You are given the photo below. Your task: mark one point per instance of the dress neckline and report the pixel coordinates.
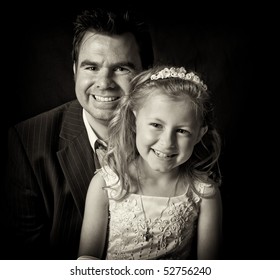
(164, 197)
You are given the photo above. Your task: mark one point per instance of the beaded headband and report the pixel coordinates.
(178, 73)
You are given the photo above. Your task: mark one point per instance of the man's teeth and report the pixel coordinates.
(105, 99)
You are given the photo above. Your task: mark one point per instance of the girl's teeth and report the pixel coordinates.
(159, 154)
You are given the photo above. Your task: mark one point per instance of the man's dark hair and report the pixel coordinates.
(114, 22)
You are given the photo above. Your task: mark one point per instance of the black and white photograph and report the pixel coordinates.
(139, 134)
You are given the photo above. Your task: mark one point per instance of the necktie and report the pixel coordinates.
(100, 150)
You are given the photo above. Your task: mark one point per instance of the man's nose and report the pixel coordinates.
(104, 79)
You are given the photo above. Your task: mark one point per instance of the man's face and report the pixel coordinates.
(103, 72)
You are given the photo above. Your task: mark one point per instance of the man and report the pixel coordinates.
(51, 157)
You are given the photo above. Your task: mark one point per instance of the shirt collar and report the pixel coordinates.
(91, 134)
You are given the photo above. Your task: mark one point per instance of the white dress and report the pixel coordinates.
(172, 222)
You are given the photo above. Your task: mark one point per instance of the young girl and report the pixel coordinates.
(157, 194)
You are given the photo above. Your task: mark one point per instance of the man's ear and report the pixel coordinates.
(74, 71)
(74, 68)
(202, 131)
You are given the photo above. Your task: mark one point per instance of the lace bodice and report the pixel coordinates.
(172, 224)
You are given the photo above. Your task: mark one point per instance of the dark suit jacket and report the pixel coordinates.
(50, 165)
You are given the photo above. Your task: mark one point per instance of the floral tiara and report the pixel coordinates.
(178, 73)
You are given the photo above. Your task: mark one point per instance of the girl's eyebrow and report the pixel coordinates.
(155, 120)
(184, 125)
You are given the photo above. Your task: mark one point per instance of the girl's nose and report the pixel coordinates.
(168, 139)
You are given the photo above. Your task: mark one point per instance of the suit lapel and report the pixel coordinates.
(76, 156)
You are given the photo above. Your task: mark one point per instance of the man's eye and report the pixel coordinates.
(121, 70)
(92, 68)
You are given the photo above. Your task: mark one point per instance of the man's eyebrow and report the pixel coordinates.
(126, 64)
(119, 64)
(87, 62)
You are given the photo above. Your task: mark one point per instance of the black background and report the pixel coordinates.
(233, 48)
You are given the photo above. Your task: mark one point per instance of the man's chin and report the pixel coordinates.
(104, 119)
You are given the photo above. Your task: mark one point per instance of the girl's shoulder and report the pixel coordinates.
(112, 182)
(204, 189)
(109, 176)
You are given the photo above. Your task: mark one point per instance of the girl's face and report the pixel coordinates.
(167, 131)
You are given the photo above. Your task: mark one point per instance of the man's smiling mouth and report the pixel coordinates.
(105, 99)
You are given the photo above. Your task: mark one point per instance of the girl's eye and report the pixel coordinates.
(156, 125)
(183, 131)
